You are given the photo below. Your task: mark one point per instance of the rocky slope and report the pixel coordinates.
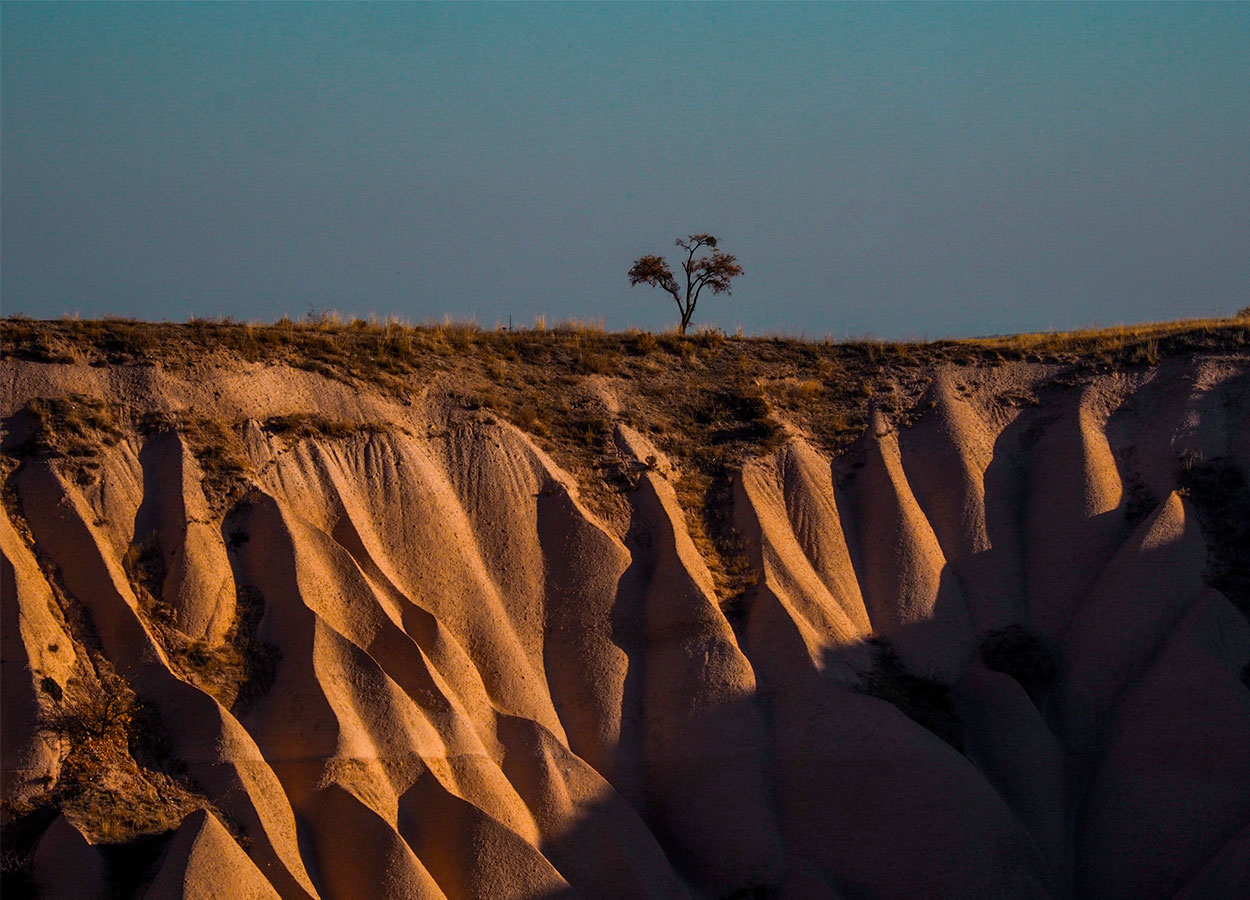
(269, 633)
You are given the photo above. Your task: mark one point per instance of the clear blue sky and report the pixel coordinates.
(895, 169)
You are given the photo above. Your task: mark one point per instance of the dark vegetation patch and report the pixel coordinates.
(257, 659)
(145, 564)
(119, 779)
(1017, 652)
(238, 669)
(1219, 493)
(75, 427)
(307, 425)
(217, 448)
(925, 701)
(1139, 500)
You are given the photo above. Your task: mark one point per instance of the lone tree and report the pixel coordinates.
(714, 270)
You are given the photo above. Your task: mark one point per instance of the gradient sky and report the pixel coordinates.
(894, 169)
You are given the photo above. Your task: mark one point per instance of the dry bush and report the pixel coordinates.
(496, 369)
(119, 778)
(644, 343)
(800, 393)
(595, 362)
(223, 462)
(75, 427)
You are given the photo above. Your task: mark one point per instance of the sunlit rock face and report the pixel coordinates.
(993, 650)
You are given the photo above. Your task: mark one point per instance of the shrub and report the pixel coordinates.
(925, 701)
(94, 717)
(644, 343)
(1024, 656)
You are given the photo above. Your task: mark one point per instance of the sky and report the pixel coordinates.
(895, 170)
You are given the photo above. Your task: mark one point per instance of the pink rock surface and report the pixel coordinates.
(474, 686)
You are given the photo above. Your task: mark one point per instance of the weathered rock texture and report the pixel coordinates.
(409, 661)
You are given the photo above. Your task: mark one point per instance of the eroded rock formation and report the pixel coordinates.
(998, 650)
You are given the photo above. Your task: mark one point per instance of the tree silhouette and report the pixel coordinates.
(714, 270)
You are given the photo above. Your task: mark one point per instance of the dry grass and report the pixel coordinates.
(217, 448)
(1119, 345)
(306, 425)
(74, 427)
(365, 350)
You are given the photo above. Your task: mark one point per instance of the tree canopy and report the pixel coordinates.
(713, 270)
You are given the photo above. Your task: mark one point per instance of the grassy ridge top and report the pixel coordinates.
(368, 347)
(707, 388)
